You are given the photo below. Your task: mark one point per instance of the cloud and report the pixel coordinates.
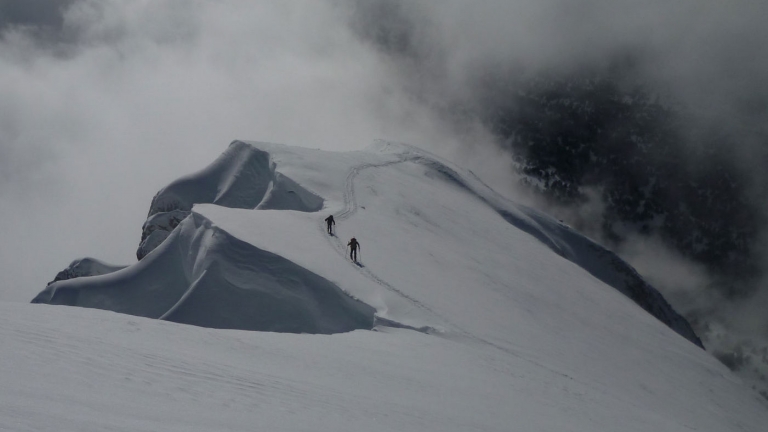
(139, 93)
(703, 50)
(33, 13)
(116, 99)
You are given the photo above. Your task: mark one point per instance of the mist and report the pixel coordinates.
(102, 103)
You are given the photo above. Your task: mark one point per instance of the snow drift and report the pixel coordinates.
(242, 177)
(201, 275)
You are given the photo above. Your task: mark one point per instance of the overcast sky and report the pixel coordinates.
(103, 102)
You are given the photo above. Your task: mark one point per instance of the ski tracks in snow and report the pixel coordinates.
(350, 209)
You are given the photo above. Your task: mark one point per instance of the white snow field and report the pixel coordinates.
(486, 315)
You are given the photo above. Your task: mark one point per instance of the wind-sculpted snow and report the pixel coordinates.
(246, 176)
(203, 276)
(242, 177)
(85, 267)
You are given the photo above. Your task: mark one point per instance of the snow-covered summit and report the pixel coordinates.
(486, 315)
(258, 176)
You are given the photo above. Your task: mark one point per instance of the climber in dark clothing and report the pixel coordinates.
(353, 245)
(329, 221)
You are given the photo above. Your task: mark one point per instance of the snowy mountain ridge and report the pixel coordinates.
(247, 176)
(520, 322)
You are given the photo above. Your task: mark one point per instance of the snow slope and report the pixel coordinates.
(204, 276)
(242, 177)
(70, 369)
(509, 321)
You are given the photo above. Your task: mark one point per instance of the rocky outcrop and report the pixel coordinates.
(85, 267)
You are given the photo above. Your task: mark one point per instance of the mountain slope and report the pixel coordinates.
(251, 176)
(79, 369)
(522, 323)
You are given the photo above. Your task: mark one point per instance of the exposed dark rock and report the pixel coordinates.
(85, 267)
